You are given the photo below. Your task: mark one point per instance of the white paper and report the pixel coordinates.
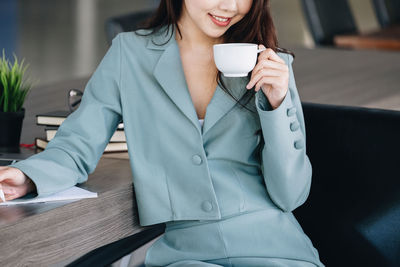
(68, 194)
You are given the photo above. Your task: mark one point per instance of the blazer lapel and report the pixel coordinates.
(169, 73)
(221, 103)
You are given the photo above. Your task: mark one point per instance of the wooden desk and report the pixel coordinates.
(54, 233)
(46, 234)
(384, 39)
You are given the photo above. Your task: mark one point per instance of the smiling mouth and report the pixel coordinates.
(221, 19)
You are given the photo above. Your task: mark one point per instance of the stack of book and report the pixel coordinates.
(52, 120)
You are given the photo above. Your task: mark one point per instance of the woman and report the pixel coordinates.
(225, 189)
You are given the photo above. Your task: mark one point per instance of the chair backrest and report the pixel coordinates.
(126, 23)
(387, 11)
(353, 209)
(327, 18)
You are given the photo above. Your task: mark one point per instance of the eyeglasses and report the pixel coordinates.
(74, 99)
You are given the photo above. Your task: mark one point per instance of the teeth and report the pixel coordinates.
(219, 19)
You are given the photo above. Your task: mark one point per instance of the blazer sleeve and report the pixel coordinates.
(285, 166)
(81, 139)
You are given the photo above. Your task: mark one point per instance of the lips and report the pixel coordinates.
(220, 21)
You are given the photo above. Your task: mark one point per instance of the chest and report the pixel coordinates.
(200, 74)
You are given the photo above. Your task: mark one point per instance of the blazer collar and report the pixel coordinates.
(160, 39)
(169, 73)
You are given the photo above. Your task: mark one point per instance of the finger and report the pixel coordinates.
(265, 88)
(267, 81)
(10, 196)
(269, 64)
(11, 192)
(270, 54)
(260, 47)
(8, 190)
(263, 73)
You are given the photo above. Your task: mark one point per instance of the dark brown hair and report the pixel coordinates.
(255, 27)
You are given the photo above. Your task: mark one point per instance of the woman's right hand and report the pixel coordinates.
(15, 183)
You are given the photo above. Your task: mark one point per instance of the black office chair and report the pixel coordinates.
(352, 214)
(387, 12)
(327, 18)
(126, 23)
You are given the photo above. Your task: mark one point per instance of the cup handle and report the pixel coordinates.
(260, 50)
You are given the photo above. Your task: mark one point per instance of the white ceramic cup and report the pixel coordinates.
(236, 59)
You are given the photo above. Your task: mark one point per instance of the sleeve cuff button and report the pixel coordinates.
(291, 111)
(294, 126)
(299, 144)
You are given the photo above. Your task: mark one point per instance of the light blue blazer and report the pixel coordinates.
(173, 159)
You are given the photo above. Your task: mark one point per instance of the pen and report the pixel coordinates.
(2, 195)
(1, 190)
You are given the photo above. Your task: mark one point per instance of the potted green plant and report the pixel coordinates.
(13, 90)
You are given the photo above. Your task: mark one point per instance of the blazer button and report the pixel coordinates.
(196, 159)
(294, 126)
(291, 111)
(206, 206)
(299, 144)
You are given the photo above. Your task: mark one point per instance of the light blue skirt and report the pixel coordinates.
(268, 237)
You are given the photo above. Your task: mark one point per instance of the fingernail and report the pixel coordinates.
(248, 86)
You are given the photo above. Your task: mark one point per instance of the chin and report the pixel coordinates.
(216, 36)
(215, 33)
